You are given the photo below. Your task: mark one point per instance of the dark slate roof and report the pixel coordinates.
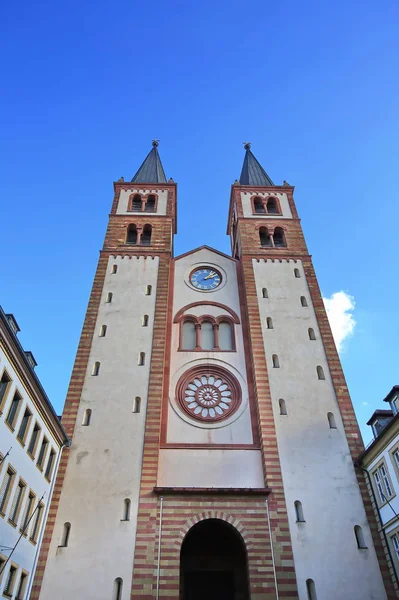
(151, 171)
(252, 171)
(379, 413)
(394, 390)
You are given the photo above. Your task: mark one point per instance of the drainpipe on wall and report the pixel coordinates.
(272, 548)
(159, 546)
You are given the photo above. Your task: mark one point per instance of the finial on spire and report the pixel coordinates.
(155, 143)
(247, 145)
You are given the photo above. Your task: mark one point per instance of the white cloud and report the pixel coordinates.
(339, 309)
(365, 403)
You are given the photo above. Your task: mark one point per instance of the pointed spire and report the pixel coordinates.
(151, 171)
(252, 171)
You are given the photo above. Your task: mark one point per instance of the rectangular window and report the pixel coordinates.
(2, 563)
(33, 440)
(17, 502)
(23, 580)
(14, 408)
(37, 519)
(28, 512)
(379, 486)
(50, 463)
(42, 453)
(383, 483)
(395, 544)
(10, 581)
(386, 480)
(5, 382)
(5, 489)
(23, 429)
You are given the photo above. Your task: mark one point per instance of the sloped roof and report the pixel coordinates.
(151, 170)
(252, 172)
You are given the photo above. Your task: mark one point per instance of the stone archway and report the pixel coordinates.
(213, 563)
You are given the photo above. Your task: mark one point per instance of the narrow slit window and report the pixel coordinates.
(141, 360)
(131, 236)
(150, 204)
(86, 417)
(331, 420)
(96, 369)
(17, 501)
(304, 302)
(10, 581)
(145, 239)
(23, 580)
(65, 535)
(148, 290)
(5, 489)
(14, 409)
(276, 362)
(311, 333)
(299, 511)
(50, 465)
(264, 237)
(114, 269)
(279, 238)
(37, 519)
(272, 206)
(283, 407)
(103, 331)
(137, 404)
(108, 299)
(188, 335)
(264, 293)
(118, 583)
(297, 273)
(23, 428)
(311, 589)
(269, 323)
(33, 440)
(320, 372)
(361, 542)
(225, 335)
(42, 453)
(136, 203)
(126, 510)
(28, 512)
(5, 383)
(144, 321)
(259, 206)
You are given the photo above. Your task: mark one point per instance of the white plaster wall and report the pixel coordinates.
(240, 468)
(122, 208)
(387, 511)
(315, 460)
(105, 461)
(25, 467)
(183, 430)
(247, 205)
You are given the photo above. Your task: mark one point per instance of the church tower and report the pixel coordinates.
(213, 435)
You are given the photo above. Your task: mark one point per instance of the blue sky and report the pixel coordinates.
(86, 86)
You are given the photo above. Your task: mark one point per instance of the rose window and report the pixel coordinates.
(208, 394)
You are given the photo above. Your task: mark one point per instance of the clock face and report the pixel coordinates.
(205, 278)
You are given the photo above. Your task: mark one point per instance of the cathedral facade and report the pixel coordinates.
(213, 435)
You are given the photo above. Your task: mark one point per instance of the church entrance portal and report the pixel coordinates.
(213, 563)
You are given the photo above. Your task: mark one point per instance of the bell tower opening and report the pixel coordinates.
(213, 563)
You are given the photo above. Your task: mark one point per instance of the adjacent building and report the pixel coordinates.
(380, 462)
(31, 441)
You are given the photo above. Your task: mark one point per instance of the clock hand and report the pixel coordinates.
(211, 274)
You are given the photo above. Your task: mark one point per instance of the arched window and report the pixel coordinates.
(114, 269)
(312, 335)
(87, 417)
(188, 336)
(145, 239)
(283, 407)
(258, 206)
(131, 237)
(279, 238)
(264, 237)
(276, 362)
(225, 336)
(148, 290)
(264, 293)
(96, 368)
(207, 336)
(269, 323)
(303, 301)
(108, 299)
(361, 542)
(320, 372)
(118, 583)
(65, 535)
(331, 420)
(150, 204)
(103, 331)
(141, 360)
(136, 203)
(126, 510)
(311, 589)
(144, 321)
(272, 206)
(297, 273)
(299, 511)
(137, 404)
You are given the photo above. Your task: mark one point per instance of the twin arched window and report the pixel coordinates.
(137, 236)
(138, 203)
(266, 206)
(275, 240)
(207, 333)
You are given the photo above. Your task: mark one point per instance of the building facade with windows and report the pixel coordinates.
(213, 436)
(380, 462)
(31, 438)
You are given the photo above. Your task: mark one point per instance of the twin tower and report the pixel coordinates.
(213, 436)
